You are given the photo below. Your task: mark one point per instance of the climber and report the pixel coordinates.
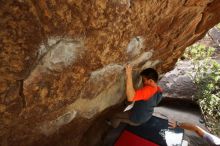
(211, 139)
(145, 98)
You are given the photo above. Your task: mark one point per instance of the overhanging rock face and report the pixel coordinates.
(62, 62)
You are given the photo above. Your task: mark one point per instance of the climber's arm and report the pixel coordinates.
(130, 92)
(187, 126)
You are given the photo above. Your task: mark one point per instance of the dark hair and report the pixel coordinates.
(150, 73)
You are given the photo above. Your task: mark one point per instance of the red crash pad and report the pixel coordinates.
(129, 139)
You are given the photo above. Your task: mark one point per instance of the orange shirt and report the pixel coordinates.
(146, 93)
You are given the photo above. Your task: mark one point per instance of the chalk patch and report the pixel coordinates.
(109, 69)
(50, 127)
(63, 55)
(135, 46)
(53, 40)
(150, 64)
(44, 48)
(100, 80)
(155, 63)
(141, 59)
(88, 108)
(122, 2)
(146, 65)
(60, 53)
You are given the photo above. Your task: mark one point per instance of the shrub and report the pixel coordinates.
(206, 77)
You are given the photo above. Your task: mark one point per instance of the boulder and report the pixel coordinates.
(62, 62)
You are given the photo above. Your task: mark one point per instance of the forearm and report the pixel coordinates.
(130, 92)
(192, 127)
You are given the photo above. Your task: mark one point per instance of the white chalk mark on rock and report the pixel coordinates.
(63, 54)
(50, 127)
(142, 59)
(135, 46)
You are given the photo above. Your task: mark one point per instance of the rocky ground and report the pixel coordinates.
(184, 112)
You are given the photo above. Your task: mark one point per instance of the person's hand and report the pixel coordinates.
(172, 123)
(128, 70)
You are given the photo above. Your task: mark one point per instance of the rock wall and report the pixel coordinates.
(61, 62)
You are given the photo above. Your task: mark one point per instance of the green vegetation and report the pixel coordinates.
(206, 77)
